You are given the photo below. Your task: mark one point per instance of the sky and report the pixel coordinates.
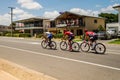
(51, 8)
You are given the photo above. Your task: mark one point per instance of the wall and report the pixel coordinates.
(90, 25)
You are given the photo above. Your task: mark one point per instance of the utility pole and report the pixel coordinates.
(11, 19)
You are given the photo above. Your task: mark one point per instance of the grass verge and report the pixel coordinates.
(115, 41)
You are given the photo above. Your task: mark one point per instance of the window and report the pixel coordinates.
(95, 21)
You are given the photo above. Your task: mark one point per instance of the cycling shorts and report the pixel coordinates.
(71, 37)
(93, 38)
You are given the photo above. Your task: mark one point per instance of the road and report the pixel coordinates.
(63, 65)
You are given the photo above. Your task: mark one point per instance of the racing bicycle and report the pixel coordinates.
(64, 45)
(45, 44)
(98, 48)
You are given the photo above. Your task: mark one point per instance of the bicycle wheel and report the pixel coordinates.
(100, 48)
(85, 47)
(63, 45)
(44, 44)
(75, 46)
(53, 45)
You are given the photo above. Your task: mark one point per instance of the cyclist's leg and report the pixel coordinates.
(70, 42)
(49, 38)
(93, 42)
(46, 38)
(49, 41)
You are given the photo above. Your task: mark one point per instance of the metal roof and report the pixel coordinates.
(65, 15)
(117, 6)
(31, 19)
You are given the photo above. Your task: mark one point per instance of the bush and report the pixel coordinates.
(60, 35)
(5, 33)
(39, 35)
(24, 35)
(16, 35)
(8, 34)
(1, 34)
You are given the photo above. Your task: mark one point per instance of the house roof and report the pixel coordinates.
(4, 26)
(31, 19)
(65, 15)
(117, 6)
(68, 14)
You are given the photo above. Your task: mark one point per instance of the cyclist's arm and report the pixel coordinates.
(87, 38)
(42, 36)
(64, 37)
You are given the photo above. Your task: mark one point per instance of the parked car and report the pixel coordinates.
(103, 35)
(112, 33)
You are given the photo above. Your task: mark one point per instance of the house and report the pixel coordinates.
(67, 20)
(35, 25)
(77, 23)
(4, 28)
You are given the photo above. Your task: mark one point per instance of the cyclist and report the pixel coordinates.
(48, 36)
(90, 36)
(70, 37)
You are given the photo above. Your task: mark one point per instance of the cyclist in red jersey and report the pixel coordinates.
(70, 37)
(90, 36)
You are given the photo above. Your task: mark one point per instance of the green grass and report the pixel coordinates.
(77, 40)
(115, 41)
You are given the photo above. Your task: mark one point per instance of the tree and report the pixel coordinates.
(101, 28)
(109, 17)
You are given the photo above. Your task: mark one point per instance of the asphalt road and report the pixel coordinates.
(63, 65)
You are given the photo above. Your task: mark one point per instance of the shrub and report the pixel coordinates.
(8, 34)
(16, 35)
(60, 35)
(24, 35)
(5, 33)
(1, 34)
(39, 35)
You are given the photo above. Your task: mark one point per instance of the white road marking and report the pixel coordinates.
(25, 42)
(53, 56)
(34, 43)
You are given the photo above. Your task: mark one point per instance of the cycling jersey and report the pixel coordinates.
(92, 35)
(70, 35)
(48, 34)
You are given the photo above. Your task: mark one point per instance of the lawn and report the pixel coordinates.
(77, 40)
(115, 41)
